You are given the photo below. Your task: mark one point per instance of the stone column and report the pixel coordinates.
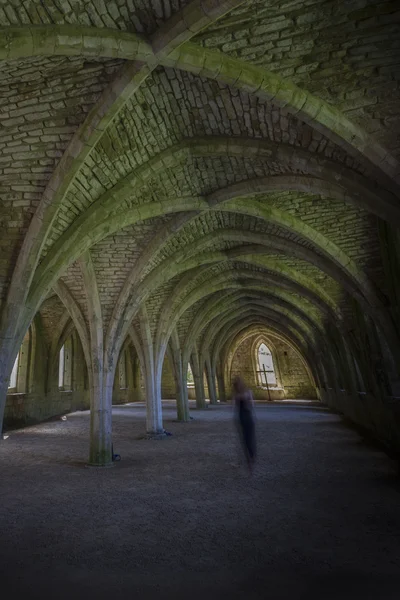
(100, 381)
(3, 399)
(100, 454)
(182, 399)
(154, 424)
(198, 382)
(221, 384)
(211, 382)
(137, 392)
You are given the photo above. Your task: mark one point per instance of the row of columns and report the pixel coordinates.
(180, 369)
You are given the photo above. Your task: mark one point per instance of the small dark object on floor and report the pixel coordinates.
(115, 457)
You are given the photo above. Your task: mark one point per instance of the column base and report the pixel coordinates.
(155, 436)
(95, 466)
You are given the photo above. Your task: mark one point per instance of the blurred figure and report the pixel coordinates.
(244, 408)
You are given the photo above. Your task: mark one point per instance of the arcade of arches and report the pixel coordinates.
(201, 184)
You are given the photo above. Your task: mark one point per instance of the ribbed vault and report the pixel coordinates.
(179, 177)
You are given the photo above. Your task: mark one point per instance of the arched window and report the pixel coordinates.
(266, 371)
(65, 366)
(14, 375)
(190, 379)
(61, 360)
(21, 372)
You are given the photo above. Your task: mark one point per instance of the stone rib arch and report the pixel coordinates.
(169, 308)
(185, 147)
(263, 334)
(206, 315)
(162, 274)
(260, 298)
(235, 288)
(171, 34)
(104, 207)
(244, 209)
(164, 335)
(259, 307)
(75, 242)
(246, 280)
(217, 340)
(214, 329)
(206, 63)
(59, 342)
(357, 282)
(77, 317)
(277, 329)
(240, 329)
(65, 324)
(233, 327)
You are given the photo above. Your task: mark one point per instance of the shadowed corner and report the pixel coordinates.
(348, 585)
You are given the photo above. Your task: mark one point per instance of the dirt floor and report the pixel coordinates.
(181, 518)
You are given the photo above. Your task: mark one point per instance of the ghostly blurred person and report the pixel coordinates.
(244, 410)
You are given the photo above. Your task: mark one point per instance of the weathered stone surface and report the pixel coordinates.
(232, 170)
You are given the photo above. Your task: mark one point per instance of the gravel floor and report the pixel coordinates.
(181, 518)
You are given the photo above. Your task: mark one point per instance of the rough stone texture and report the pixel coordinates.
(133, 15)
(43, 101)
(187, 517)
(42, 398)
(289, 370)
(350, 58)
(232, 168)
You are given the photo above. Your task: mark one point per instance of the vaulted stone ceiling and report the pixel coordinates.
(198, 166)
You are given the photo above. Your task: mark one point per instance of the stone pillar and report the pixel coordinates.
(3, 399)
(137, 392)
(100, 454)
(211, 382)
(221, 384)
(182, 399)
(154, 423)
(100, 381)
(198, 382)
(101, 385)
(152, 375)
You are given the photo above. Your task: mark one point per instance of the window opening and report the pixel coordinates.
(61, 365)
(266, 371)
(190, 379)
(14, 374)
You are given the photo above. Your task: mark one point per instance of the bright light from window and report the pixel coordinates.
(190, 375)
(14, 374)
(61, 363)
(266, 366)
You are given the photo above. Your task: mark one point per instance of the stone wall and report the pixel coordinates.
(292, 377)
(168, 380)
(377, 417)
(26, 409)
(128, 385)
(42, 398)
(37, 404)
